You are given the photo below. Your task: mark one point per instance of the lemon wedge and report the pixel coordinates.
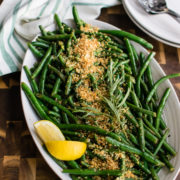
(66, 150)
(48, 131)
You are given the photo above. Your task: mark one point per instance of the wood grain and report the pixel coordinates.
(19, 157)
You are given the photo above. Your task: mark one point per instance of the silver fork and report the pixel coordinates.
(158, 7)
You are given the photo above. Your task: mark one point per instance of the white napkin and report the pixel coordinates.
(19, 21)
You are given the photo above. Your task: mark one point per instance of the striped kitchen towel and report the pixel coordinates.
(20, 19)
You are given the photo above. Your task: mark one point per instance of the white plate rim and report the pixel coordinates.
(165, 41)
(34, 136)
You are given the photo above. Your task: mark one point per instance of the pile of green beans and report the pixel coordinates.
(53, 97)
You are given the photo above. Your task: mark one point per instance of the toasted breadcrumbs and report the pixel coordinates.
(88, 63)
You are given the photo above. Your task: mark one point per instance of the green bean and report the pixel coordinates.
(55, 108)
(49, 86)
(131, 118)
(135, 53)
(115, 48)
(43, 32)
(52, 102)
(45, 108)
(144, 87)
(41, 64)
(92, 154)
(68, 84)
(61, 44)
(141, 165)
(149, 129)
(146, 91)
(117, 43)
(127, 93)
(152, 127)
(56, 87)
(57, 97)
(141, 135)
(35, 51)
(162, 124)
(40, 44)
(59, 73)
(150, 118)
(150, 137)
(69, 42)
(153, 174)
(130, 149)
(141, 72)
(167, 163)
(62, 61)
(135, 141)
(59, 24)
(161, 142)
(150, 81)
(93, 81)
(142, 59)
(43, 41)
(131, 56)
(128, 70)
(161, 107)
(89, 128)
(67, 29)
(54, 114)
(43, 75)
(50, 33)
(74, 177)
(32, 81)
(148, 134)
(120, 64)
(136, 101)
(118, 55)
(85, 164)
(158, 169)
(65, 118)
(123, 165)
(77, 20)
(59, 52)
(145, 111)
(154, 140)
(121, 33)
(70, 133)
(93, 172)
(70, 101)
(73, 164)
(151, 93)
(34, 101)
(136, 171)
(124, 139)
(68, 70)
(55, 37)
(78, 83)
(54, 48)
(52, 77)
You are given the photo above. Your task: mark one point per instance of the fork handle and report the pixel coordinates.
(174, 14)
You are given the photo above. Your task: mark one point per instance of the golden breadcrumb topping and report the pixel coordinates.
(87, 63)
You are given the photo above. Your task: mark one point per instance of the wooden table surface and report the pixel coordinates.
(19, 157)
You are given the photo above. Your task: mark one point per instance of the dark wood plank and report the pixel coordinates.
(27, 169)
(11, 167)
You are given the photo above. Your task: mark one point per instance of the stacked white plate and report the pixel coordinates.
(162, 27)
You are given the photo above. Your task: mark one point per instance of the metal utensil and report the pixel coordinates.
(158, 7)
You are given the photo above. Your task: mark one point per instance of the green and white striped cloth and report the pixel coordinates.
(19, 22)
